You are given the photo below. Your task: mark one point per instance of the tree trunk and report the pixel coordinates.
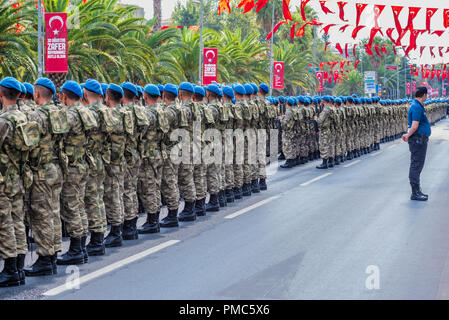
(157, 8)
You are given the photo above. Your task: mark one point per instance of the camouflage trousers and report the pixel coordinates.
(45, 208)
(339, 143)
(326, 144)
(12, 227)
(199, 177)
(263, 146)
(73, 211)
(213, 178)
(288, 146)
(169, 185)
(303, 145)
(130, 202)
(93, 200)
(186, 182)
(114, 189)
(150, 177)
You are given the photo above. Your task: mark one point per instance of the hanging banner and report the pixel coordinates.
(56, 43)
(444, 92)
(278, 75)
(409, 88)
(320, 78)
(209, 65)
(414, 86)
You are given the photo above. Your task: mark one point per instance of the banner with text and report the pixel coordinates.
(209, 65)
(56, 43)
(278, 75)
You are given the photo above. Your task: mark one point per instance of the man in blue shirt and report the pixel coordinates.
(417, 138)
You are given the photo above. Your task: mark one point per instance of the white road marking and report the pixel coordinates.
(112, 267)
(254, 206)
(376, 154)
(316, 179)
(351, 164)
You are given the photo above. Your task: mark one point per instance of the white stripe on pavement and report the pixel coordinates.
(351, 164)
(376, 154)
(316, 179)
(254, 206)
(112, 267)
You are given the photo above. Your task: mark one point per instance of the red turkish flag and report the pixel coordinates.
(429, 14)
(303, 12)
(346, 50)
(286, 10)
(326, 45)
(324, 8)
(438, 74)
(378, 8)
(342, 64)
(376, 47)
(333, 64)
(356, 31)
(396, 12)
(356, 63)
(359, 7)
(322, 65)
(368, 50)
(432, 74)
(390, 35)
(338, 47)
(326, 28)
(224, 5)
(336, 76)
(276, 27)
(341, 6)
(431, 51)
(343, 29)
(422, 50)
(292, 30)
(320, 78)
(439, 33)
(446, 18)
(440, 49)
(259, 5)
(373, 33)
(247, 5)
(353, 50)
(412, 13)
(384, 49)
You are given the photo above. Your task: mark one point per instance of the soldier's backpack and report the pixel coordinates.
(141, 116)
(87, 117)
(59, 123)
(111, 119)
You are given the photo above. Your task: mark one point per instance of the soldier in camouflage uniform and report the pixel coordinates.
(169, 184)
(268, 115)
(238, 140)
(255, 126)
(324, 121)
(73, 212)
(46, 188)
(115, 170)
(152, 160)
(14, 146)
(288, 124)
(227, 138)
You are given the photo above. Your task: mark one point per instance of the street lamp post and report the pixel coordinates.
(200, 71)
(271, 51)
(39, 38)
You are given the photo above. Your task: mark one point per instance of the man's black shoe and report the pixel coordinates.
(229, 195)
(255, 188)
(188, 214)
(9, 277)
(323, 165)
(130, 229)
(213, 204)
(151, 225)
(42, 267)
(74, 255)
(96, 244)
(171, 220)
(290, 163)
(114, 238)
(263, 184)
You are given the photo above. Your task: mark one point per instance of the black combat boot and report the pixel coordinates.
(42, 267)
(114, 238)
(20, 266)
(255, 188)
(323, 165)
(246, 189)
(200, 207)
(74, 255)
(171, 220)
(213, 205)
(337, 160)
(151, 225)
(96, 245)
(417, 194)
(342, 158)
(188, 214)
(238, 193)
(54, 258)
(311, 157)
(303, 160)
(263, 184)
(281, 157)
(9, 277)
(290, 163)
(84, 249)
(130, 229)
(222, 199)
(330, 162)
(229, 195)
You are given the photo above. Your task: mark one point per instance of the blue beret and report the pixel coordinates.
(104, 87)
(292, 101)
(29, 87)
(152, 89)
(199, 90)
(116, 88)
(169, 87)
(239, 89)
(46, 83)
(73, 87)
(23, 89)
(215, 89)
(281, 99)
(228, 91)
(264, 87)
(93, 86)
(130, 87)
(187, 87)
(11, 83)
(233, 100)
(139, 90)
(255, 87)
(161, 88)
(248, 88)
(338, 100)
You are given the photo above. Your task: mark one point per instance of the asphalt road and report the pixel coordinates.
(350, 232)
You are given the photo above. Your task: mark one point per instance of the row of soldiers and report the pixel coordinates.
(90, 159)
(338, 129)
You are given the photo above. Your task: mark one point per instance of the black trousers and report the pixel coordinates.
(417, 144)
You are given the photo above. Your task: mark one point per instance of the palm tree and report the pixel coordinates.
(350, 86)
(157, 9)
(16, 53)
